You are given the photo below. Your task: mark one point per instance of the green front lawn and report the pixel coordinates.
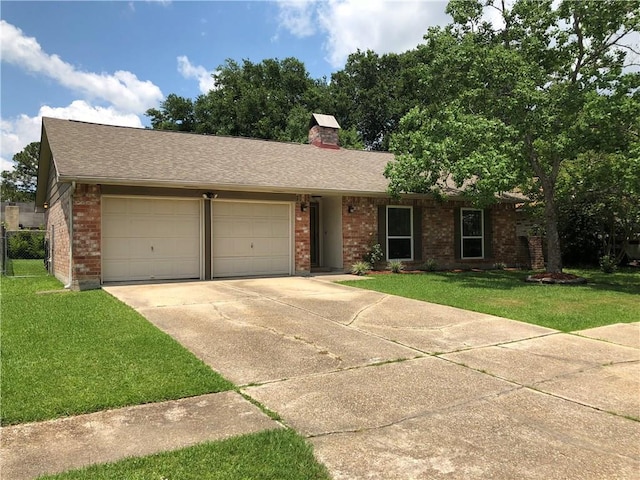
(65, 353)
(605, 300)
(274, 454)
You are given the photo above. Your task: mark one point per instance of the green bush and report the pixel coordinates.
(608, 264)
(360, 268)
(374, 255)
(430, 265)
(396, 266)
(25, 244)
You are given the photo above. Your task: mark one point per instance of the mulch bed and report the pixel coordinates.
(556, 278)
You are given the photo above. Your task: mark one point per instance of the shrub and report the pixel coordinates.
(396, 266)
(500, 266)
(25, 244)
(430, 265)
(360, 268)
(374, 255)
(608, 264)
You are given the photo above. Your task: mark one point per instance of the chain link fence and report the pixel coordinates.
(23, 253)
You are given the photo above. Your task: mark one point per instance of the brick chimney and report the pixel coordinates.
(323, 131)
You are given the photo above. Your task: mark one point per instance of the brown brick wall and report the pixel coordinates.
(505, 246)
(360, 229)
(57, 225)
(302, 255)
(323, 136)
(87, 261)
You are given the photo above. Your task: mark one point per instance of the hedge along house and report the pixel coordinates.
(130, 204)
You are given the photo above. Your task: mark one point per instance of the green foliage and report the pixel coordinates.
(268, 455)
(396, 266)
(606, 298)
(360, 268)
(19, 184)
(374, 255)
(25, 244)
(598, 207)
(431, 265)
(608, 264)
(68, 353)
(512, 104)
(373, 92)
(176, 113)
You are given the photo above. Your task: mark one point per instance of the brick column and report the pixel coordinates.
(87, 253)
(302, 235)
(535, 253)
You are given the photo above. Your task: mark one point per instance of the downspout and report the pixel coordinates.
(73, 189)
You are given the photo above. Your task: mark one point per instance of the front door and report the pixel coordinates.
(314, 213)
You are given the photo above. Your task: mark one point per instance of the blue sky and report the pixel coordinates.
(108, 62)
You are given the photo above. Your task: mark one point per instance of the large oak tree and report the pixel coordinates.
(518, 97)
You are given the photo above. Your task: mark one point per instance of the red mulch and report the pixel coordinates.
(555, 276)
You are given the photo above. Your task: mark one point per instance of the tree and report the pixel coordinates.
(259, 100)
(373, 92)
(176, 113)
(19, 184)
(598, 207)
(516, 101)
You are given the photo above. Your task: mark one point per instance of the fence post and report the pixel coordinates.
(3, 249)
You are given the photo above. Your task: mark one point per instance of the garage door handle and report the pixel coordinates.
(251, 244)
(152, 248)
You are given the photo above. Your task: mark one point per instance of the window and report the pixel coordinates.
(472, 229)
(399, 233)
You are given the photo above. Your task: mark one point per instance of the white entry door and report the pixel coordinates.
(251, 238)
(150, 238)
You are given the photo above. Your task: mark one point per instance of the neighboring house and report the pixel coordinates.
(129, 204)
(21, 215)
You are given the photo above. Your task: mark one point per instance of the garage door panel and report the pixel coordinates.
(251, 238)
(150, 239)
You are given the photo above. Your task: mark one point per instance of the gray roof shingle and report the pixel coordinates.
(96, 153)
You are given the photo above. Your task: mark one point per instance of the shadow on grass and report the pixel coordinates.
(625, 281)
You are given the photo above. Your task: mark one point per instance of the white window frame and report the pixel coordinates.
(400, 237)
(464, 237)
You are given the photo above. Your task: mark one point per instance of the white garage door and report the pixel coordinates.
(251, 239)
(147, 239)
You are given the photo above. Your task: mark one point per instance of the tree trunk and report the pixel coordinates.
(554, 258)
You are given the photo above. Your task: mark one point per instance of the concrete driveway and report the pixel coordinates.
(386, 387)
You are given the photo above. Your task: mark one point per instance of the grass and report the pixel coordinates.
(273, 454)
(68, 353)
(25, 268)
(605, 300)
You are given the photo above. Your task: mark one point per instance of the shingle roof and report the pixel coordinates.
(96, 153)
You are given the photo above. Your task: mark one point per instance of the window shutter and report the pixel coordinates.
(417, 233)
(382, 229)
(488, 233)
(456, 233)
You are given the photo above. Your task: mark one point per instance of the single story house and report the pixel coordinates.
(131, 204)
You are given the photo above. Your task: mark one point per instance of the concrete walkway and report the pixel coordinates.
(384, 387)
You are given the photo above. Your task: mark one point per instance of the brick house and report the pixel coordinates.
(129, 204)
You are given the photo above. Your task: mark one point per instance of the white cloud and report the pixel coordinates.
(384, 26)
(122, 89)
(204, 76)
(297, 16)
(17, 133)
